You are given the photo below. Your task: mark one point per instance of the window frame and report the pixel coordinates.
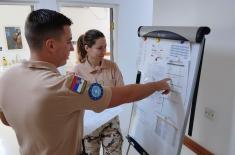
(113, 20)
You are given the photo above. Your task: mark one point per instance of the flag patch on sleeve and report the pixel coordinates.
(78, 84)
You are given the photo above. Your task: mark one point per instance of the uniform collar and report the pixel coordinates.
(40, 65)
(91, 69)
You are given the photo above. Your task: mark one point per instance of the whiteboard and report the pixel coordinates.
(158, 122)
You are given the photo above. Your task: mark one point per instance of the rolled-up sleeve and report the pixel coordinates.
(99, 104)
(70, 100)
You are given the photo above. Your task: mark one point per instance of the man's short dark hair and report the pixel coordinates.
(43, 24)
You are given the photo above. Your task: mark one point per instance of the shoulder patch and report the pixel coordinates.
(78, 84)
(95, 91)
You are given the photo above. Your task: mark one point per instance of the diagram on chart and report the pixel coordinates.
(165, 59)
(158, 122)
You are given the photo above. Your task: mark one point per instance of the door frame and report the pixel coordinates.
(113, 20)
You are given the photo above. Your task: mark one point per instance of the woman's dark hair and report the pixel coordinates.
(89, 39)
(43, 24)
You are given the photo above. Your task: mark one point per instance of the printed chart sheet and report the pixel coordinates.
(159, 118)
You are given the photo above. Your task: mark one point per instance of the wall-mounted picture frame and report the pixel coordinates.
(13, 36)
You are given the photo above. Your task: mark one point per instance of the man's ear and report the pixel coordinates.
(50, 45)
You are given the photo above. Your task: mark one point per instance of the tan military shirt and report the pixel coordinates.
(107, 74)
(45, 113)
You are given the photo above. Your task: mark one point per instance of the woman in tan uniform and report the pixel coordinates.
(103, 128)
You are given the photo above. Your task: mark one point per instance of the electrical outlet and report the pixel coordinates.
(209, 113)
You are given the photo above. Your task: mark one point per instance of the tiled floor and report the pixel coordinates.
(9, 145)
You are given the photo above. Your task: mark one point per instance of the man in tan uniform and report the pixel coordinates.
(45, 108)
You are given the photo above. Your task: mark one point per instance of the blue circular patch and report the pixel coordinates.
(95, 91)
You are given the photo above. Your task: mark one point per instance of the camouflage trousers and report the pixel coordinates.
(108, 135)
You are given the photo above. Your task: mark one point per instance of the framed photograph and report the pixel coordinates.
(13, 36)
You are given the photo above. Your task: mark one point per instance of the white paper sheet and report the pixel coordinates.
(163, 114)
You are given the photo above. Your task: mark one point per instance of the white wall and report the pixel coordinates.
(217, 89)
(132, 14)
(46, 4)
